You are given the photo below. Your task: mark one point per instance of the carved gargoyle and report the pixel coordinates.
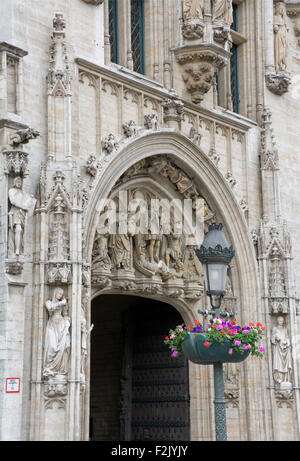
(23, 137)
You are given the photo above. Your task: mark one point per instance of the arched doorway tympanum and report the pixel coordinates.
(138, 391)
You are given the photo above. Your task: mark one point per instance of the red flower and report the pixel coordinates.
(190, 326)
(166, 337)
(252, 325)
(232, 323)
(259, 324)
(223, 332)
(196, 322)
(206, 344)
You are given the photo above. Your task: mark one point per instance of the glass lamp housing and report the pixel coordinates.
(215, 254)
(215, 278)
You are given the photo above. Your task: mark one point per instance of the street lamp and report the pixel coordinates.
(215, 254)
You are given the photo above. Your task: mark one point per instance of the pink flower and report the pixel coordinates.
(175, 353)
(172, 336)
(237, 343)
(230, 351)
(262, 349)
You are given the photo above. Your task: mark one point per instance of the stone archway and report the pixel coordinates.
(205, 177)
(137, 390)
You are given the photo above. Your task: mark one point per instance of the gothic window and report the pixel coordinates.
(137, 35)
(234, 71)
(234, 78)
(113, 29)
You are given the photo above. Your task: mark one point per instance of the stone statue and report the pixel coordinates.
(223, 12)
(21, 202)
(281, 39)
(57, 338)
(101, 259)
(173, 255)
(193, 9)
(84, 334)
(153, 236)
(192, 268)
(282, 364)
(119, 247)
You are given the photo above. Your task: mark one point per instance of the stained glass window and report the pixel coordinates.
(137, 35)
(113, 29)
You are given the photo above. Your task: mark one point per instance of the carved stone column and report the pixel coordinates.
(60, 271)
(59, 95)
(173, 112)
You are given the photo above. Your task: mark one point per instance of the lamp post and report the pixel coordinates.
(215, 254)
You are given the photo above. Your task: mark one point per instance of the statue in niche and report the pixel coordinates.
(153, 237)
(101, 259)
(192, 268)
(281, 38)
(223, 12)
(146, 244)
(173, 254)
(84, 333)
(57, 338)
(21, 203)
(193, 9)
(119, 245)
(282, 363)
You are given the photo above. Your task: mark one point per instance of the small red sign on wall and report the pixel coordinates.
(12, 385)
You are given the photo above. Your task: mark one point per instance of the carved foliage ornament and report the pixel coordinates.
(199, 69)
(192, 31)
(278, 83)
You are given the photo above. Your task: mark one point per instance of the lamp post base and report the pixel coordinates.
(220, 403)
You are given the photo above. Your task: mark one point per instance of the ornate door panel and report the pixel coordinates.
(158, 386)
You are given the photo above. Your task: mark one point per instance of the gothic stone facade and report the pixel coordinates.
(76, 128)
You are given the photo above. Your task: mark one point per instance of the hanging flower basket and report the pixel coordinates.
(219, 341)
(195, 348)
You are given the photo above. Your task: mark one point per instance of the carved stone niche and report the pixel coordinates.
(199, 66)
(59, 272)
(278, 82)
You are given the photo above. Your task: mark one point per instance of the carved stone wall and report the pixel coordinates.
(76, 128)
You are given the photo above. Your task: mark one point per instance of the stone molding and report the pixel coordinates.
(94, 2)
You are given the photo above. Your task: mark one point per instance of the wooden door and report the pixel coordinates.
(154, 386)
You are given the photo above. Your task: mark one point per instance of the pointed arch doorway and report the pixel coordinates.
(137, 390)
